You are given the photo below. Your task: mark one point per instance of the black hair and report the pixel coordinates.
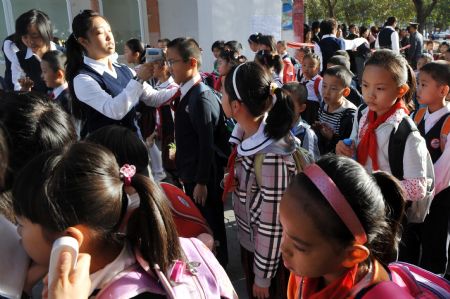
(218, 44)
(314, 57)
(135, 45)
(38, 18)
(269, 41)
(282, 42)
(82, 185)
(55, 59)
(377, 200)
(315, 25)
(342, 53)
(362, 29)
(391, 21)
(34, 124)
(427, 56)
(341, 72)
(401, 71)
(81, 25)
(351, 26)
(124, 144)
(234, 46)
(297, 91)
(232, 57)
(187, 48)
(327, 26)
(253, 83)
(269, 60)
(438, 70)
(254, 38)
(166, 41)
(339, 60)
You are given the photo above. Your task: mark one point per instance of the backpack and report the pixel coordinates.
(200, 277)
(445, 129)
(224, 126)
(209, 79)
(408, 281)
(316, 88)
(188, 219)
(301, 157)
(418, 210)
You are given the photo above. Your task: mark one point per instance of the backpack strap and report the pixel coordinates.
(397, 144)
(301, 156)
(445, 130)
(360, 111)
(316, 86)
(385, 289)
(418, 116)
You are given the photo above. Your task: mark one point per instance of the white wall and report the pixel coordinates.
(211, 20)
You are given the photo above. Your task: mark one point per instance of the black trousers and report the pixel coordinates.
(213, 213)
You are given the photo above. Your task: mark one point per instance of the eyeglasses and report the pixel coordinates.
(171, 62)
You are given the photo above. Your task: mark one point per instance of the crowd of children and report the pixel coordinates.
(333, 175)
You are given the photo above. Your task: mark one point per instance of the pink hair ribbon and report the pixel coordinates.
(337, 201)
(126, 173)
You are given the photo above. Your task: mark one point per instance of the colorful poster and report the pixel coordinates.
(286, 17)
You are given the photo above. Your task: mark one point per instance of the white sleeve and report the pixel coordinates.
(156, 98)
(395, 42)
(377, 43)
(319, 53)
(10, 50)
(16, 73)
(442, 169)
(89, 92)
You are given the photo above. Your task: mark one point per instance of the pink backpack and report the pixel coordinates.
(201, 277)
(409, 281)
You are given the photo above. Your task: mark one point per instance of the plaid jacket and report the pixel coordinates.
(257, 210)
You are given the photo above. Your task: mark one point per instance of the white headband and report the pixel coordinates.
(234, 82)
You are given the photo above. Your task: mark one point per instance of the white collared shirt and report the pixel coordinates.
(185, 87)
(57, 90)
(309, 84)
(89, 91)
(170, 83)
(16, 70)
(395, 41)
(442, 165)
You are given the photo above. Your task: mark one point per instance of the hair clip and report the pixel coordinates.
(126, 173)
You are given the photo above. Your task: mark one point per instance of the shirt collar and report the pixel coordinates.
(185, 87)
(437, 114)
(57, 90)
(329, 35)
(165, 84)
(98, 66)
(30, 53)
(103, 276)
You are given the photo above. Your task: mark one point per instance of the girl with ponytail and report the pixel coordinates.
(104, 91)
(264, 115)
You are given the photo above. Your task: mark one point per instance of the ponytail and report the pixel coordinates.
(385, 247)
(151, 227)
(281, 116)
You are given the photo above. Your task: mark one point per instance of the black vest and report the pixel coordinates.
(384, 38)
(8, 73)
(433, 137)
(328, 47)
(113, 86)
(32, 68)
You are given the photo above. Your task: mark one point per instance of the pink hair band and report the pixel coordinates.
(337, 201)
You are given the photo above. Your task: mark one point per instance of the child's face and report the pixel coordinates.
(420, 63)
(429, 46)
(223, 66)
(304, 249)
(129, 55)
(100, 42)
(253, 46)
(280, 48)
(226, 103)
(49, 76)
(33, 241)
(181, 71)
(216, 52)
(33, 39)
(158, 69)
(428, 90)
(332, 89)
(379, 89)
(310, 68)
(299, 55)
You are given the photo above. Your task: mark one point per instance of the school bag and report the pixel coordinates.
(316, 85)
(224, 126)
(301, 157)
(417, 210)
(445, 129)
(200, 276)
(188, 219)
(408, 281)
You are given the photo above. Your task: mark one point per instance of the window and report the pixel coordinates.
(124, 19)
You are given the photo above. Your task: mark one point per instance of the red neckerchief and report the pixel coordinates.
(338, 289)
(229, 182)
(368, 145)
